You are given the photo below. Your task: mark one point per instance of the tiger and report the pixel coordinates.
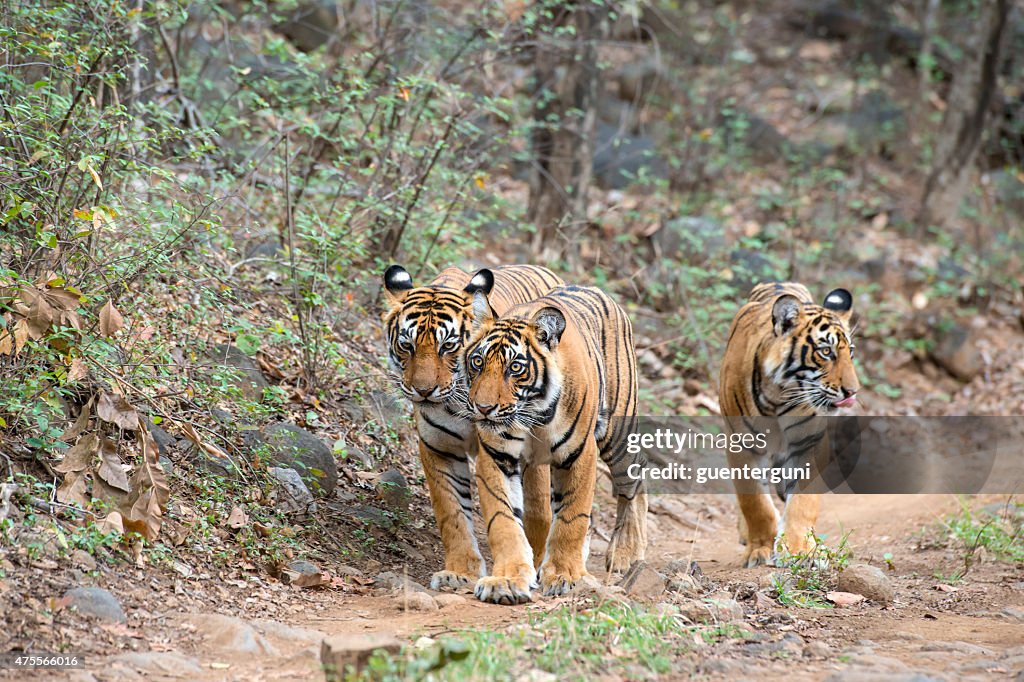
(426, 329)
(559, 374)
(786, 357)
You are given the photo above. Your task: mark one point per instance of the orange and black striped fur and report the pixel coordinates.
(426, 330)
(553, 382)
(791, 359)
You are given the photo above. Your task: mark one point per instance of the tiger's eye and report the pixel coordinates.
(517, 367)
(476, 362)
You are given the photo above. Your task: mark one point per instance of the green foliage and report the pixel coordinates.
(809, 576)
(609, 639)
(975, 535)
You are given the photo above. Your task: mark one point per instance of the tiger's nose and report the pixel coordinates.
(485, 409)
(424, 392)
(847, 392)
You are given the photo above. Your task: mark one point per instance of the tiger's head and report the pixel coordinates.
(810, 356)
(512, 368)
(426, 329)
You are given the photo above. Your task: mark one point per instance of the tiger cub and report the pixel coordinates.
(426, 329)
(553, 373)
(786, 357)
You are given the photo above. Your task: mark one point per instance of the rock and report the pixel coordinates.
(750, 268)
(686, 584)
(311, 24)
(1013, 614)
(162, 663)
(302, 573)
(589, 586)
(290, 492)
(231, 635)
(867, 674)
(874, 125)
(638, 80)
(83, 560)
(390, 580)
(412, 600)
(956, 350)
(756, 136)
(372, 516)
(957, 647)
(643, 582)
(447, 600)
(340, 651)
(711, 610)
(619, 158)
(867, 580)
(95, 601)
(229, 363)
(818, 649)
(393, 490)
(164, 441)
(690, 239)
(287, 445)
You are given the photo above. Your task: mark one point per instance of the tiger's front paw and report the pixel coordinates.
(505, 591)
(450, 580)
(558, 580)
(757, 556)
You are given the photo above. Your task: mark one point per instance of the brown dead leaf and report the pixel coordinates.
(73, 491)
(81, 423)
(844, 598)
(942, 587)
(111, 320)
(77, 371)
(238, 518)
(113, 522)
(80, 456)
(6, 343)
(144, 509)
(110, 469)
(21, 334)
(114, 409)
(212, 450)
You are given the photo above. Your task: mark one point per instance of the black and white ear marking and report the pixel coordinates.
(482, 281)
(785, 312)
(550, 323)
(839, 300)
(397, 279)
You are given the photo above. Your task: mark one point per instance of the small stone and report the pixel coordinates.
(643, 582)
(817, 649)
(287, 445)
(447, 600)
(340, 651)
(291, 494)
(685, 584)
(83, 560)
(390, 580)
(393, 490)
(162, 663)
(95, 601)
(867, 580)
(302, 573)
(711, 610)
(956, 647)
(956, 351)
(228, 634)
(416, 601)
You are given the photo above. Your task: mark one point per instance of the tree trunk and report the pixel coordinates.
(969, 100)
(564, 114)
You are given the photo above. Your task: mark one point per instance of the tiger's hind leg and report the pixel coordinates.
(629, 541)
(448, 480)
(798, 520)
(537, 515)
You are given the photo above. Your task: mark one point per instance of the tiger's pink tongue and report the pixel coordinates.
(846, 402)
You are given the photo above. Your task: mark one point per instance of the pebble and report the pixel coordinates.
(95, 601)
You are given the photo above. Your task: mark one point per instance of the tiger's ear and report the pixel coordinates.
(785, 313)
(397, 284)
(479, 287)
(841, 302)
(549, 324)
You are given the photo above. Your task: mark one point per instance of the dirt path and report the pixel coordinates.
(973, 629)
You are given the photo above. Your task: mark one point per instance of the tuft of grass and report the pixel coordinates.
(609, 639)
(1000, 533)
(809, 576)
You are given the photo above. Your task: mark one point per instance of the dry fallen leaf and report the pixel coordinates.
(77, 371)
(111, 320)
(114, 409)
(238, 518)
(844, 598)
